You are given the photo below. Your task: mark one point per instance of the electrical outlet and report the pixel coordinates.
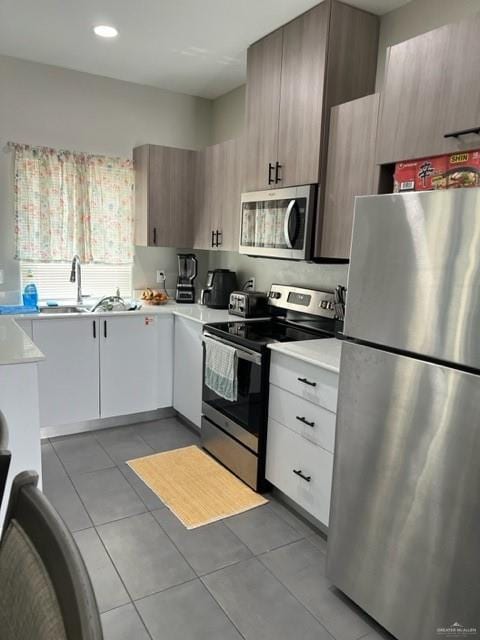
(253, 283)
(161, 277)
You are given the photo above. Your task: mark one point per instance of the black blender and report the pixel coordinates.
(187, 272)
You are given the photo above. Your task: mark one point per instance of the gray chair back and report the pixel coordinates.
(5, 455)
(3, 432)
(45, 590)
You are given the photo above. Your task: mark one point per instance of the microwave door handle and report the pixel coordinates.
(286, 224)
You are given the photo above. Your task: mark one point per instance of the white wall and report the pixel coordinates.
(60, 108)
(228, 115)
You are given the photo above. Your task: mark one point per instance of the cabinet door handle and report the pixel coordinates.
(278, 177)
(305, 421)
(305, 381)
(217, 241)
(94, 325)
(213, 238)
(270, 169)
(104, 328)
(463, 132)
(298, 472)
(154, 235)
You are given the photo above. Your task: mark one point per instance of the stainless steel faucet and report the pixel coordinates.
(76, 276)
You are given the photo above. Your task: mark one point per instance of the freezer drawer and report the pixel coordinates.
(405, 519)
(414, 274)
(301, 469)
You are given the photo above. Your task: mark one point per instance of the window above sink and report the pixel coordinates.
(53, 280)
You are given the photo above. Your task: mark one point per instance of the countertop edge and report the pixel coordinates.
(16, 347)
(282, 348)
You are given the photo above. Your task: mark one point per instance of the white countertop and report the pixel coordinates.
(202, 314)
(324, 353)
(15, 346)
(195, 312)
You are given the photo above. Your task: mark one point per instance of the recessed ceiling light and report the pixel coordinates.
(104, 31)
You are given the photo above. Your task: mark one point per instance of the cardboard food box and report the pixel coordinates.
(404, 176)
(431, 173)
(463, 169)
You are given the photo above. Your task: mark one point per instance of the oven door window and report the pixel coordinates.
(246, 411)
(275, 224)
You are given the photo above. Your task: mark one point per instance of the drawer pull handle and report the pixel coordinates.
(305, 381)
(298, 472)
(463, 132)
(305, 421)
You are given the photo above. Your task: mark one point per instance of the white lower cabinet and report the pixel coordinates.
(311, 382)
(19, 405)
(26, 325)
(187, 381)
(130, 366)
(301, 433)
(301, 469)
(103, 367)
(68, 378)
(312, 422)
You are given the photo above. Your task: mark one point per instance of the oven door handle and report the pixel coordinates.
(242, 352)
(286, 224)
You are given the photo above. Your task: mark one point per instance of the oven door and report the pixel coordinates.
(245, 417)
(278, 223)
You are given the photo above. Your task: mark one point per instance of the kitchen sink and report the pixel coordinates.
(63, 309)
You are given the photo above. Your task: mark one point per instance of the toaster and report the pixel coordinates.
(249, 304)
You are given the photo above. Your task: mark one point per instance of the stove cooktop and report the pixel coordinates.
(257, 334)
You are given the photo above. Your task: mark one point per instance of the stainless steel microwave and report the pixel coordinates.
(278, 223)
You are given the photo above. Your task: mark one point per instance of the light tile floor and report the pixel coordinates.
(257, 576)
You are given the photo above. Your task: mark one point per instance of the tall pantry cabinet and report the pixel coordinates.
(294, 76)
(323, 58)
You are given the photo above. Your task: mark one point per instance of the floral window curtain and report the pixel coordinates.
(68, 203)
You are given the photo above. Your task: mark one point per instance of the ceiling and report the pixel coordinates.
(190, 46)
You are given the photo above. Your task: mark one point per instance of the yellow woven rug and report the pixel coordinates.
(194, 486)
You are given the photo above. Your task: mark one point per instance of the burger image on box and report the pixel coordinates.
(463, 169)
(431, 173)
(404, 176)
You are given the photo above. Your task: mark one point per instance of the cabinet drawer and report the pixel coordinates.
(288, 452)
(315, 384)
(294, 412)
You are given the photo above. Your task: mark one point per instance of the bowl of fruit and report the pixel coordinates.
(150, 296)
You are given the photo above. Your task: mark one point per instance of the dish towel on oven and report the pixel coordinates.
(221, 369)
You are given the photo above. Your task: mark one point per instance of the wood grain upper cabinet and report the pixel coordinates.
(218, 185)
(231, 189)
(295, 75)
(431, 89)
(264, 67)
(164, 191)
(301, 96)
(204, 199)
(351, 170)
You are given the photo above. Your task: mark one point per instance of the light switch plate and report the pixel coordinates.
(2, 276)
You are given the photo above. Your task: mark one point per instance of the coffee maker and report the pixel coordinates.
(187, 272)
(220, 284)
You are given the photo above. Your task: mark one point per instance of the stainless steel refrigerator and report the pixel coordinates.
(404, 539)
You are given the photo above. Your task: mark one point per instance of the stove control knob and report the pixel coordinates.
(275, 295)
